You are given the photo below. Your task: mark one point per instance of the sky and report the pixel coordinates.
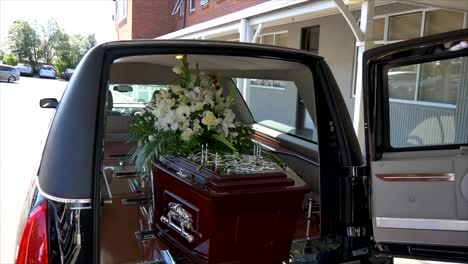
(75, 16)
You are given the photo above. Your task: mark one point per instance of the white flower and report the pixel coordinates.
(177, 70)
(169, 118)
(151, 138)
(174, 126)
(209, 119)
(183, 113)
(187, 134)
(177, 89)
(196, 107)
(228, 121)
(196, 126)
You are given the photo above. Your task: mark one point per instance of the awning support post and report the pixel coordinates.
(367, 17)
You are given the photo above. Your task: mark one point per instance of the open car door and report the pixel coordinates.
(416, 101)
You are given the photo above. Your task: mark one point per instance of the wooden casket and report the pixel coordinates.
(230, 217)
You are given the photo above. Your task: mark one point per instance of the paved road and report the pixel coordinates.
(23, 126)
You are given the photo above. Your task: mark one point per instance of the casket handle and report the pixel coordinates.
(179, 214)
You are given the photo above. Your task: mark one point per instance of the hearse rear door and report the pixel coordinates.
(416, 101)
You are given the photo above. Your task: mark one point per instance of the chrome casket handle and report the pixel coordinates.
(184, 218)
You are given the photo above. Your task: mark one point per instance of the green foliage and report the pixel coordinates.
(24, 41)
(50, 43)
(70, 50)
(51, 35)
(2, 53)
(10, 59)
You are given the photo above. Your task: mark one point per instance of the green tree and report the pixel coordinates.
(70, 50)
(24, 41)
(51, 35)
(10, 59)
(2, 53)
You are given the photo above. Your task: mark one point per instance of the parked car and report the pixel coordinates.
(87, 204)
(67, 74)
(47, 71)
(25, 69)
(9, 74)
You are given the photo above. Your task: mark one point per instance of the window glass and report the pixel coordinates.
(440, 81)
(438, 21)
(268, 39)
(133, 94)
(275, 104)
(439, 116)
(405, 26)
(282, 39)
(402, 82)
(192, 5)
(379, 29)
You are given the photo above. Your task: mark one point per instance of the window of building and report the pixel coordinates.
(439, 117)
(393, 28)
(204, 2)
(192, 5)
(121, 9)
(276, 39)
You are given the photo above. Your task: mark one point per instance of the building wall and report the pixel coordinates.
(124, 27)
(152, 18)
(148, 19)
(215, 9)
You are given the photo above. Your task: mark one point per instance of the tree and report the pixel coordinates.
(70, 50)
(24, 41)
(2, 53)
(10, 59)
(51, 35)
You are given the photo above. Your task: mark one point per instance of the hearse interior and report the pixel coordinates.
(283, 124)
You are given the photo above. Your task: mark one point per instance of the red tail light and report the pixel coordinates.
(33, 247)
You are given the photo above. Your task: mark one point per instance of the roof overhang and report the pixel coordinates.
(280, 12)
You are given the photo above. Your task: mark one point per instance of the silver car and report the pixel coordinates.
(9, 73)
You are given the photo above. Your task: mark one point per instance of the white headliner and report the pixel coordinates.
(216, 62)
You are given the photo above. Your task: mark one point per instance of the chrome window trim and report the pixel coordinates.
(63, 200)
(422, 224)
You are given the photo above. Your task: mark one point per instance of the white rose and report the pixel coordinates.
(209, 119)
(187, 134)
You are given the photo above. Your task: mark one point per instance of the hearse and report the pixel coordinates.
(404, 195)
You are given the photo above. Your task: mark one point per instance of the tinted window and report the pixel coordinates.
(277, 105)
(434, 109)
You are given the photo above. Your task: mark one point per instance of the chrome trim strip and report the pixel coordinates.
(422, 224)
(447, 177)
(63, 200)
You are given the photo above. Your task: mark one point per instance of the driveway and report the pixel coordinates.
(23, 126)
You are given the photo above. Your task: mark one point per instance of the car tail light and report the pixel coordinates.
(33, 247)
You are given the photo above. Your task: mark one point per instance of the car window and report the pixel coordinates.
(277, 105)
(139, 94)
(428, 103)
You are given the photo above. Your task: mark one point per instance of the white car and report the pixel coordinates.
(47, 71)
(24, 69)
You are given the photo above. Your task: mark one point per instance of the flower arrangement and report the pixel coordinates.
(182, 118)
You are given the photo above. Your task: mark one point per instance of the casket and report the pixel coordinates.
(229, 217)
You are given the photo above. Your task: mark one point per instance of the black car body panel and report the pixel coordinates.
(66, 169)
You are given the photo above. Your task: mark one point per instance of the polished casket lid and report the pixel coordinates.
(243, 172)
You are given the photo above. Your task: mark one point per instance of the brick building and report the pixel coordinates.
(145, 19)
